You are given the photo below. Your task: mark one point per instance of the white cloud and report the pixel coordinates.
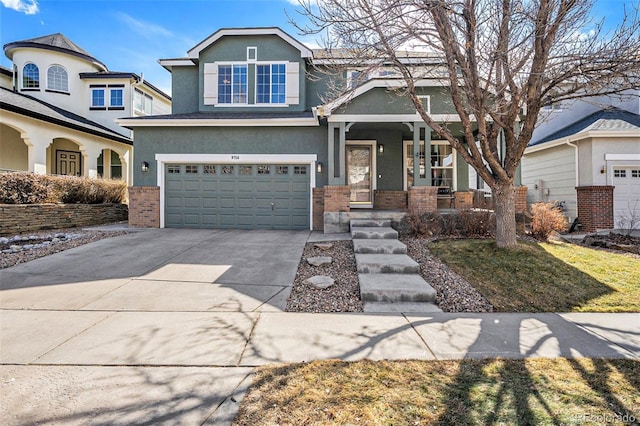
(29, 7)
(147, 29)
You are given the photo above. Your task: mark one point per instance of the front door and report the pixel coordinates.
(67, 163)
(360, 174)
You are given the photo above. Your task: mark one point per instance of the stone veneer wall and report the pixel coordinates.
(144, 206)
(389, 199)
(19, 218)
(595, 207)
(318, 209)
(422, 199)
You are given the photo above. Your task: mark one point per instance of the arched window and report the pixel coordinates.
(30, 77)
(57, 79)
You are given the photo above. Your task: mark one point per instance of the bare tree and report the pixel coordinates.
(504, 61)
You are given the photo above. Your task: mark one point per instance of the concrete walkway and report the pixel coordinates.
(166, 326)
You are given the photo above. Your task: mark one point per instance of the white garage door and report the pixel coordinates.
(626, 197)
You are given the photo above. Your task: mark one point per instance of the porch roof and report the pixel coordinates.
(35, 108)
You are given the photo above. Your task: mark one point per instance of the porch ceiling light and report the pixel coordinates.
(144, 167)
(319, 167)
(380, 148)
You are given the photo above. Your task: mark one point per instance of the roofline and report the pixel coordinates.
(194, 52)
(577, 137)
(132, 122)
(6, 71)
(29, 44)
(12, 108)
(168, 64)
(136, 77)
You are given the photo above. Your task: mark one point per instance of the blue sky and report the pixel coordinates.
(131, 35)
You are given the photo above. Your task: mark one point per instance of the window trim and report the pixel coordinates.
(49, 80)
(453, 166)
(232, 64)
(30, 88)
(255, 91)
(253, 49)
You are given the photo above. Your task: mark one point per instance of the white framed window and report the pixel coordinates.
(426, 103)
(57, 79)
(116, 97)
(552, 107)
(142, 102)
(98, 97)
(354, 79)
(30, 76)
(232, 84)
(252, 54)
(271, 83)
(442, 158)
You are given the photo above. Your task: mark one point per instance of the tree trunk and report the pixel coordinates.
(505, 199)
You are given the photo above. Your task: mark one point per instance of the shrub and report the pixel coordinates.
(466, 223)
(27, 188)
(546, 218)
(421, 224)
(480, 223)
(23, 188)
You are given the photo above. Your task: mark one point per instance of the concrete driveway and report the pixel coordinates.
(84, 332)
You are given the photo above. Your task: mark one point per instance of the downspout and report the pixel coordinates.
(568, 142)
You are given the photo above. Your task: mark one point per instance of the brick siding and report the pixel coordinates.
(595, 207)
(144, 206)
(20, 218)
(390, 199)
(521, 199)
(464, 200)
(336, 198)
(422, 199)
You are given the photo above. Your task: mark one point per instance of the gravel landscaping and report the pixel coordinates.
(454, 293)
(342, 296)
(25, 247)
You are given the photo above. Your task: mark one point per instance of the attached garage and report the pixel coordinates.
(626, 197)
(261, 194)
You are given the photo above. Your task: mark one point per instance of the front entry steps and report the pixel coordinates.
(390, 280)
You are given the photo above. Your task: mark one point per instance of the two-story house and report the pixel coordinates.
(257, 139)
(587, 154)
(59, 111)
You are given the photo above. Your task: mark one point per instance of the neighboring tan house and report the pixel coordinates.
(59, 106)
(250, 142)
(587, 154)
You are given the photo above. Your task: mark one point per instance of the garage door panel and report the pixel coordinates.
(248, 196)
(626, 196)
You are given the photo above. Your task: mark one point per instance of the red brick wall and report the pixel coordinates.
(318, 209)
(595, 207)
(521, 199)
(20, 218)
(336, 198)
(464, 200)
(144, 206)
(390, 199)
(422, 199)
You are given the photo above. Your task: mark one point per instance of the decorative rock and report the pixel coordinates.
(4, 240)
(27, 246)
(320, 281)
(319, 260)
(15, 248)
(323, 246)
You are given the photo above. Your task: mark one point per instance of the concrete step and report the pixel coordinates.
(395, 288)
(404, 307)
(370, 223)
(379, 247)
(376, 232)
(386, 264)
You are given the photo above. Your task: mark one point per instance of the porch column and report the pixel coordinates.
(37, 155)
(340, 179)
(418, 180)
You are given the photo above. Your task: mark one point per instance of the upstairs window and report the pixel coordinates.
(97, 98)
(271, 84)
(57, 79)
(30, 77)
(142, 102)
(117, 98)
(232, 84)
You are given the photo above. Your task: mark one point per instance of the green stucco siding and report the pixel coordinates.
(184, 89)
(270, 48)
(226, 140)
(380, 101)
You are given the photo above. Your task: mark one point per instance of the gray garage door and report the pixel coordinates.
(245, 196)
